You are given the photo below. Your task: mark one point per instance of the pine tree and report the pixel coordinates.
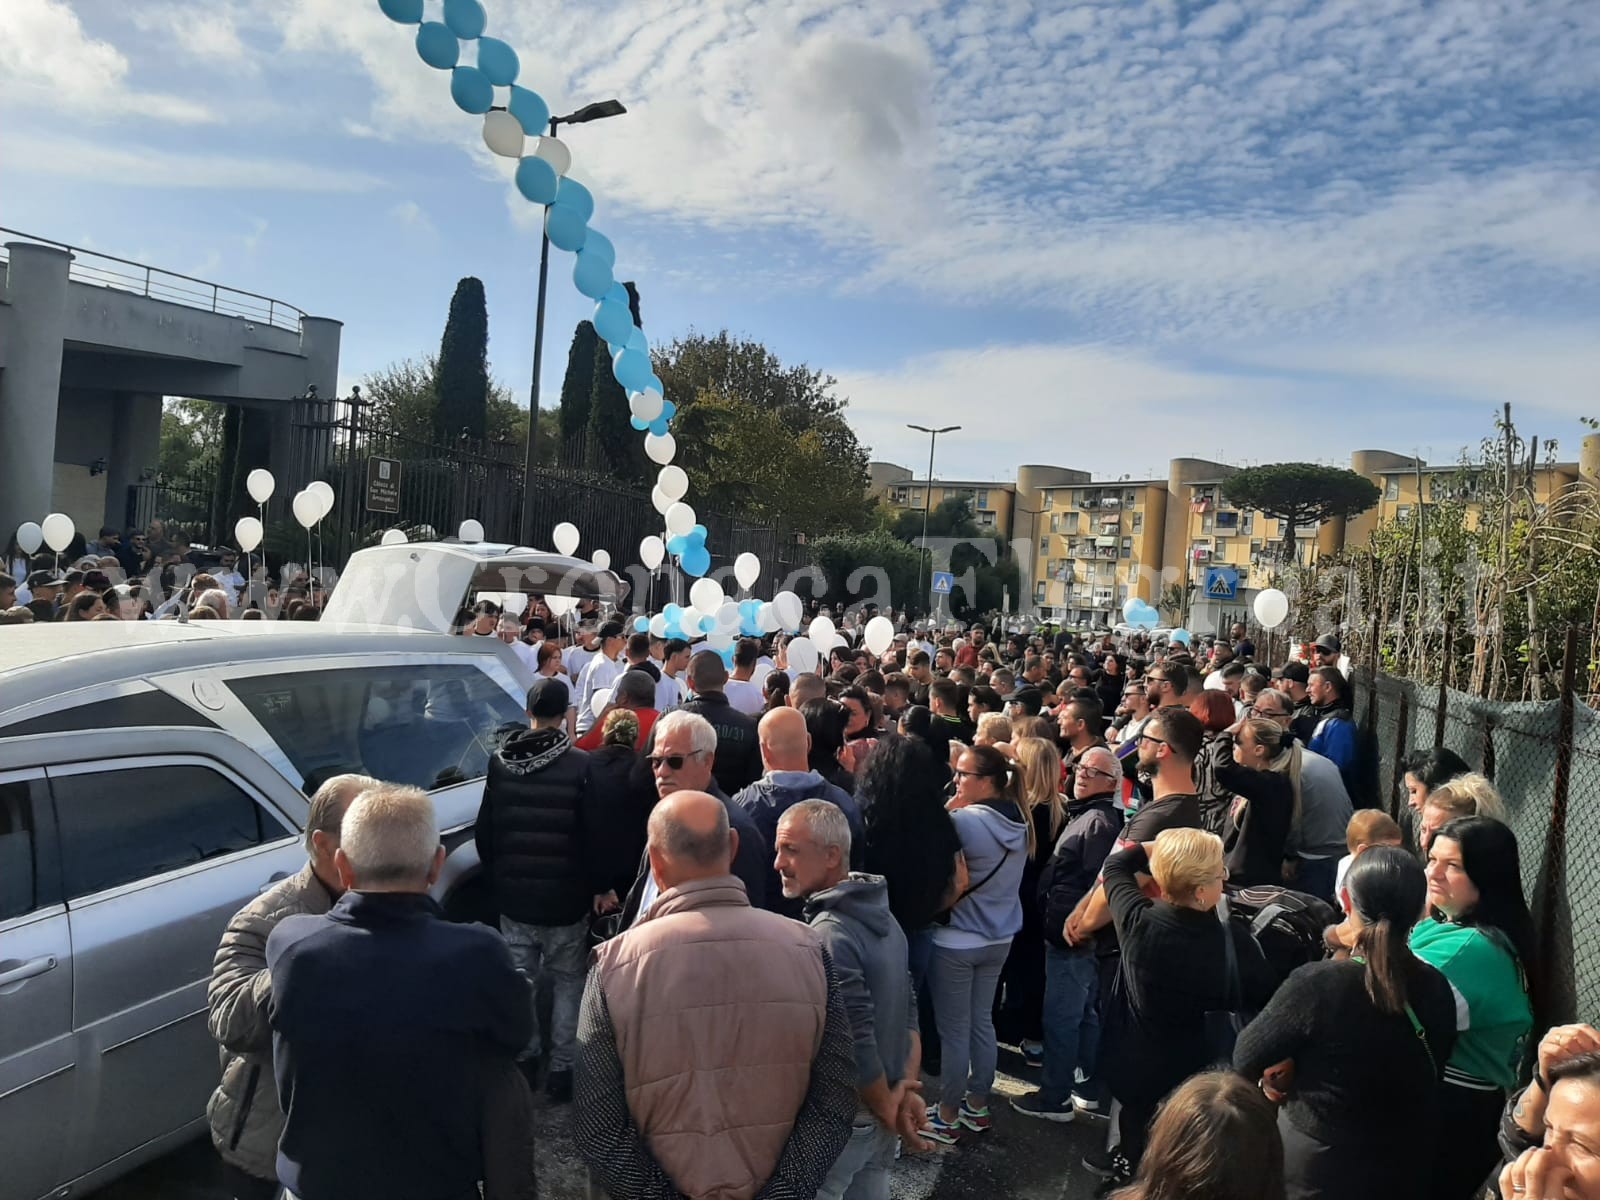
(462, 382)
(619, 445)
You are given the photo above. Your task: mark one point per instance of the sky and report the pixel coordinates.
(1093, 235)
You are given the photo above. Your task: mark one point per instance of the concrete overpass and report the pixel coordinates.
(89, 345)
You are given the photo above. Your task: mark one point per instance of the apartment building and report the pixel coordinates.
(1098, 544)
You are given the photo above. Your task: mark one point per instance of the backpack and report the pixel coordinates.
(1287, 925)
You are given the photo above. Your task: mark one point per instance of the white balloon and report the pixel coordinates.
(58, 530)
(29, 537)
(647, 405)
(689, 621)
(598, 704)
(503, 134)
(660, 450)
(554, 151)
(747, 569)
(247, 533)
(719, 639)
(651, 551)
(673, 481)
(324, 495)
(566, 538)
(803, 656)
(1271, 608)
(661, 500)
(601, 560)
(878, 635)
(307, 509)
(471, 530)
(561, 605)
(658, 625)
(393, 537)
(728, 617)
(706, 594)
(787, 608)
(259, 483)
(821, 632)
(680, 521)
(767, 618)
(840, 642)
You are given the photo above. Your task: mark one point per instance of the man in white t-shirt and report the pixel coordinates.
(673, 689)
(511, 635)
(600, 673)
(576, 656)
(741, 689)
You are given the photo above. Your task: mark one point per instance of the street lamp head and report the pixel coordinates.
(598, 111)
(925, 429)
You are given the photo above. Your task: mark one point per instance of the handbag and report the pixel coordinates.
(1223, 1025)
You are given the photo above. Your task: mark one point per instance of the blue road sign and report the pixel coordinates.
(1222, 583)
(943, 582)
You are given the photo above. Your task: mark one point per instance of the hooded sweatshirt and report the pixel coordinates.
(993, 836)
(869, 956)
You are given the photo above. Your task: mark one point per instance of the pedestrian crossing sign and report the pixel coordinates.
(943, 582)
(1222, 583)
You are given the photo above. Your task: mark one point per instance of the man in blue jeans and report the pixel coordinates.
(1071, 987)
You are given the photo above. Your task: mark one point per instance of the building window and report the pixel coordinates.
(983, 499)
(1138, 522)
(1044, 545)
(1222, 549)
(1247, 524)
(1227, 520)
(1391, 488)
(1403, 513)
(1127, 547)
(1207, 522)
(986, 520)
(1049, 501)
(1038, 593)
(916, 495)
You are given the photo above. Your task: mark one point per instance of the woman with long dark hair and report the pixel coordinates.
(1358, 1046)
(825, 721)
(1479, 934)
(775, 687)
(1214, 1139)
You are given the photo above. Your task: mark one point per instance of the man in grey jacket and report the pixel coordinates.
(850, 912)
(244, 1113)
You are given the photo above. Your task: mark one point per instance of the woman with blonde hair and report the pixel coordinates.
(1045, 809)
(993, 729)
(1259, 762)
(1179, 963)
(1469, 795)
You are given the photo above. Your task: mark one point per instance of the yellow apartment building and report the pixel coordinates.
(1099, 543)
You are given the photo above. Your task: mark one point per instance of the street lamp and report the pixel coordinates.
(598, 111)
(927, 505)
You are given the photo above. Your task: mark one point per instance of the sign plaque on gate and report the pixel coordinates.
(383, 485)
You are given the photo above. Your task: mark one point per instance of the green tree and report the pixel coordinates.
(403, 400)
(611, 433)
(461, 380)
(855, 557)
(1300, 494)
(191, 441)
(577, 389)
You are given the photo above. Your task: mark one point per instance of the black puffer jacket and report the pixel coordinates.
(531, 833)
(738, 761)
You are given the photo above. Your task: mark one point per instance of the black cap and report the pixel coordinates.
(1328, 642)
(1295, 672)
(611, 629)
(548, 698)
(40, 579)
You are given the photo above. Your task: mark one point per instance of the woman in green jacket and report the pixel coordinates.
(1480, 937)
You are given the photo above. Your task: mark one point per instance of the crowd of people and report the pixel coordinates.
(790, 919)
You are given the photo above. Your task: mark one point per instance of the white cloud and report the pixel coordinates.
(410, 215)
(137, 166)
(47, 59)
(214, 38)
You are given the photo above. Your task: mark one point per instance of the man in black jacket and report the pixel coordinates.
(738, 762)
(544, 866)
(389, 1023)
(1071, 976)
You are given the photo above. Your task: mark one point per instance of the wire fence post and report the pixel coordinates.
(1559, 988)
(1444, 679)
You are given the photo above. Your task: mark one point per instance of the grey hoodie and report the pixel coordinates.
(995, 842)
(869, 956)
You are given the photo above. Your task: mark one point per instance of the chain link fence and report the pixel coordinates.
(1544, 759)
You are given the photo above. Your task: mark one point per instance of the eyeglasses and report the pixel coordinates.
(1156, 679)
(1084, 769)
(960, 774)
(673, 762)
(1150, 737)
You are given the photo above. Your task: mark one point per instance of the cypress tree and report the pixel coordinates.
(576, 390)
(462, 379)
(620, 445)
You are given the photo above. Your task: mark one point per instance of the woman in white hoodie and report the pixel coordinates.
(969, 952)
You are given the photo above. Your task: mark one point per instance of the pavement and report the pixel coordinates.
(1020, 1157)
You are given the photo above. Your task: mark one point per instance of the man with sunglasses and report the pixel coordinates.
(1071, 973)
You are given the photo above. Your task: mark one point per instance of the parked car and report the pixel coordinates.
(154, 777)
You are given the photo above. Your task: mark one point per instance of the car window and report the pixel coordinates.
(153, 708)
(23, 887)
(128, 823)
(429, 726)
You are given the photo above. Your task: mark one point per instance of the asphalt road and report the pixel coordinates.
(1020, 1158)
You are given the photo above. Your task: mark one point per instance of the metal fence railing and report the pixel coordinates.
(124, 275)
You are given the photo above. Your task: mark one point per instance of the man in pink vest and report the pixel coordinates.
(715, 1058)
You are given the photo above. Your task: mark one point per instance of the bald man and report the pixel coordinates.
(789, 779)
(755, 1093)
(1071, 978)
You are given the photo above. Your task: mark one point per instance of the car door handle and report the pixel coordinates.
(34, 966)
(272, 883)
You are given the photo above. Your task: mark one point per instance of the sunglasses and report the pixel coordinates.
(673, 762)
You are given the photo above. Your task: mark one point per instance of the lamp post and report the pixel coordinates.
(927, 506)
(589, 112)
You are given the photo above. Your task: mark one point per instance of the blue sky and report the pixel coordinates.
(1099, 235)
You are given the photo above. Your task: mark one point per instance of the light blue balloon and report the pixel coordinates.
(407, 12)
(565, 227)
(668, 409)
(677, 544)
(466, 18)
(641, 624)
(599, 244)
(726, 654)
(637, 340)
(659, 427)
(531, 112)
(672, 612)
(576, 197)
(656, 385)
(637, 423)
(591, 276)
(537, 180)
(612, 321)
(631, 368)
(1181, 636)
(699, 534)
(708, 624)
(437, 46)
(471, 90)
(498, 61)
(618, 294)
(696, 560)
